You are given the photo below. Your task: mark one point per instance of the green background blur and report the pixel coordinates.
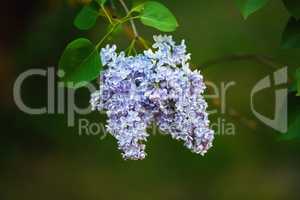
(41, 158)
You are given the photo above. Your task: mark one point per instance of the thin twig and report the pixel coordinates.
(135, 32)
(106, 36)
(131, 46)
(106, 14)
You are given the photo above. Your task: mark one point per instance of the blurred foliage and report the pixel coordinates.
(290, 39)
(291, 34)
(293, 7)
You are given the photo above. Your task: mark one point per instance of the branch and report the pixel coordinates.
(135, 32)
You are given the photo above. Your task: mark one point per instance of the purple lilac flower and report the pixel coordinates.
(154, 87)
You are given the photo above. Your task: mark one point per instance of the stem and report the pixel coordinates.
(125, 19)
(134, 30)
(106, 35)
(134, 50)
(131, 46)
(114, 26)
(106, 14)
(143, 42)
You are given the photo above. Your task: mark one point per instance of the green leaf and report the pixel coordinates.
(293, 87)
(80, 62)
(291, 34)
(248, 7)
(294, 126)
(294, 7)
(87, 17)
(156, 15)
(101, 2)
(294, 129)
(298, 81)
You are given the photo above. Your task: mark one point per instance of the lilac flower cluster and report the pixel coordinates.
(154, 87)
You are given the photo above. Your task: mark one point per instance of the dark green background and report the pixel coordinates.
(41, 158)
